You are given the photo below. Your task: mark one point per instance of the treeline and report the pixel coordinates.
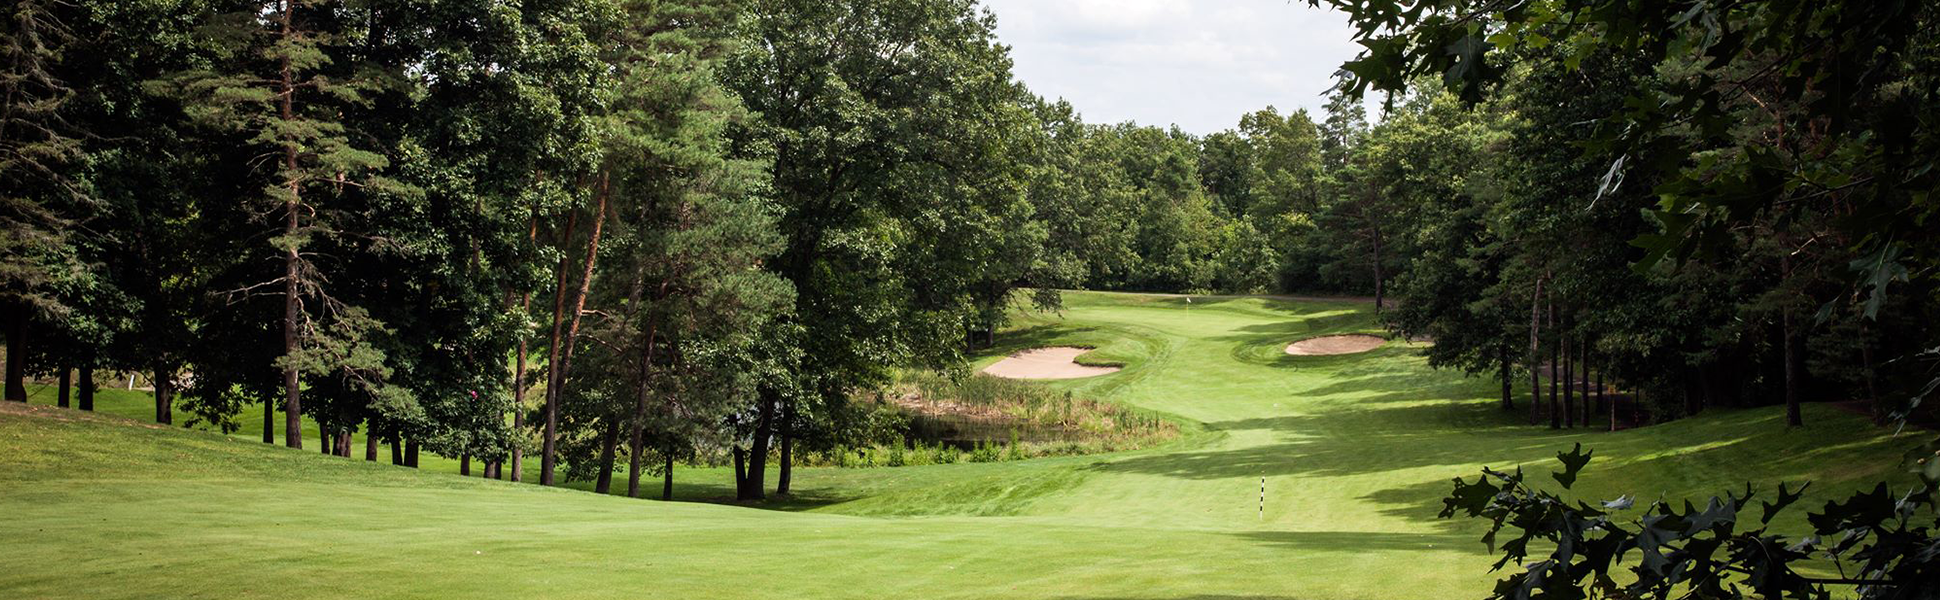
(1269, 206)
(1722, 205)
(621, 234)
(612, 233)
(1633, 232)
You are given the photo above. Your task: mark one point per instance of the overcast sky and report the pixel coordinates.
(1197, 63)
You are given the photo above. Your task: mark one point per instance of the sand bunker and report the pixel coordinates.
(1046, 363)
(1335, 344)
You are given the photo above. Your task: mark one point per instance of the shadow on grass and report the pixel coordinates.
(1201, 597)
(723, 494)
(1459, 436)
(1681, 461)
(1304, 322)
(1354, 442)
(1360, 541)
(1034, 336)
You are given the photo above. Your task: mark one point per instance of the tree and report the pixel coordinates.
(280, 85)
(888, 122)
(1808, 121)
(685, 285)
(39, 195)
(1084, 201)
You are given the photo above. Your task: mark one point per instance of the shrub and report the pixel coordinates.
(1882, 546)
(985, 452)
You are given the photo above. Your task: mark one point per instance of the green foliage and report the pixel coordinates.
(39, 152)
(1713, 552)
(1783, 151)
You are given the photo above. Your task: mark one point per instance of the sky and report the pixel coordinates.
(1199, 64)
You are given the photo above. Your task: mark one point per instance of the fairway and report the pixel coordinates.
(1354, 450)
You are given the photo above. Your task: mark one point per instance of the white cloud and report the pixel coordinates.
(1197, 63)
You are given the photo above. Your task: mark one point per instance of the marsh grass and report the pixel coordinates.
(957, 417)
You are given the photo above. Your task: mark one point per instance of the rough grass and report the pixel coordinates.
(1355, 451)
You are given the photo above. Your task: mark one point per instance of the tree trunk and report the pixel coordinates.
(397, 450)
(323, 441)
(758, 450)
(292, 257)
(343, 443)
(1508, 393)
(1535, 353)
(370, 443)
(1794, 416)
(560, 369)
(516, 452)
(164, 395)
(636, 435)
(465, 464)
(1693, 400)
(667, 477)
(635, 445)
(16, 354)
(1555, 360)
(1569, 381)
(1872, 387)
(269, 419)
(1636, 400)
(786, 470)
(551, 427)
(740, 472)
(609, 439)
(1611, 403)
(64, 381)
(86, 393)
(1378, 296)
(518, 400)
(411, 453)
(1583, 373)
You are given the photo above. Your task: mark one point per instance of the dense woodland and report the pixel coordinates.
(612, 235)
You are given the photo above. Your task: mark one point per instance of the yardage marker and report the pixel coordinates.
(1262, 499)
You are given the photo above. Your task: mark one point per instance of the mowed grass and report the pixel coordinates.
(112, 399)
(1355, 453)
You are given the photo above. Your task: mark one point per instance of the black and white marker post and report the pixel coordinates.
(1262, 499)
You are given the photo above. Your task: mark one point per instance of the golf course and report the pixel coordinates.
(1295, 476)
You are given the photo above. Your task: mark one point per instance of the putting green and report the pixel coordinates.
(1354, 450)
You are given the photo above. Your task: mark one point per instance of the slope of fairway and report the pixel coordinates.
(1354, 451)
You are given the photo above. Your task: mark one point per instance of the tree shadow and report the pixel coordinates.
(1360, 540)
(1377, 440)
(1458, 435)
(1271, 300)
(1403, 386)
(708, 492)
(1303, 322)
(1035, 336)
(1197, 597)
(1743, 449)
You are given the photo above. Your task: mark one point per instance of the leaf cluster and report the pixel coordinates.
(1884, 546)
